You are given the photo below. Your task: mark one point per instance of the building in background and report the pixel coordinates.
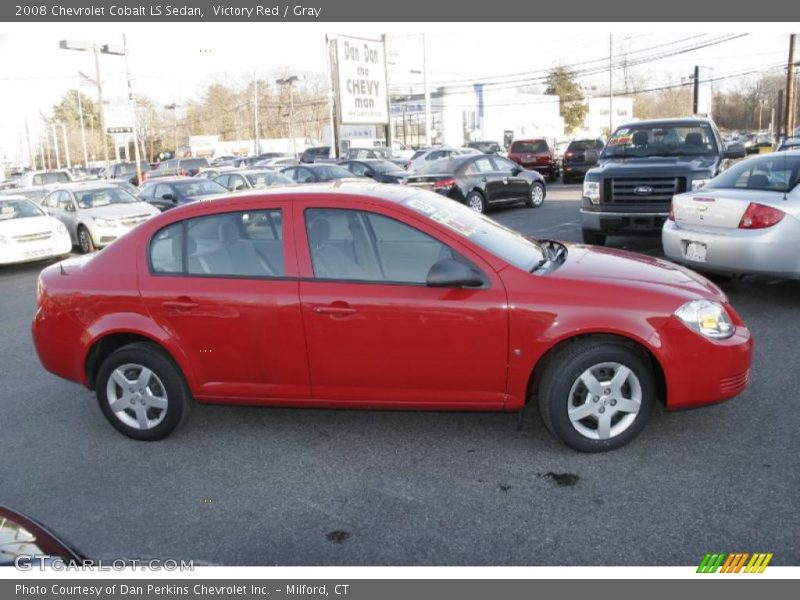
(596, 122)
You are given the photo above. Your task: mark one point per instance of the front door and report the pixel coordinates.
(376, 334)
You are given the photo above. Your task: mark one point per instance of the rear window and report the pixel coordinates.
(529, 146)
(194, 163)
(777, 172)
(580, 145)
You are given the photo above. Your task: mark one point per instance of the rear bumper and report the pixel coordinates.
(56, 245)
(773, 251)
(700, 371)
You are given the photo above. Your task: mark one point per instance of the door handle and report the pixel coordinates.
(337, 311)
(179, 304)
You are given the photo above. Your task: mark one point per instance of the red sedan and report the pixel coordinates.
(369, 296)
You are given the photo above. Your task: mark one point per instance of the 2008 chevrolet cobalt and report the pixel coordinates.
(367, 296)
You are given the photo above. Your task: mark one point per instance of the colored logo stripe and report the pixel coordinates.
(734, 562)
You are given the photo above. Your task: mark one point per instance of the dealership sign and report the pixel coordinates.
(361, 81)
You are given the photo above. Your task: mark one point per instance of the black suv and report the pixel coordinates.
(641, 167)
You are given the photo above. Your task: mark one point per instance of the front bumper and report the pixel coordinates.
(773, 251)
(21, 252)
(623, 222)
(699, 370)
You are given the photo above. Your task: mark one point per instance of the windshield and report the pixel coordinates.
(130, 168)
(793, 143)
(529, 146)
(486, 147)
(332, 172)
(201, 187)
(103, 196)
(660, 140)
(775, 172)
(267, 178)
(18, 209)
(194, 163)
(504, 243)
(580, 145)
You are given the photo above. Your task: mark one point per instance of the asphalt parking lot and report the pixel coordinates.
(261, 486)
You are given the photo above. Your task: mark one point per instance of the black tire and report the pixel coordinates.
(536, 200)
(592, 237)
(563, 374)
(476, 201)
(169, 383)
(85, 241)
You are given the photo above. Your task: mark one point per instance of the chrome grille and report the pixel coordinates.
(33, 237)
(135, 220)
(645, 190)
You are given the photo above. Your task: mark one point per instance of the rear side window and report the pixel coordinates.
(238, 244)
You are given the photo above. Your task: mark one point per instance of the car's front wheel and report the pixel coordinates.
(141, 392)
(536, 195)
(85, 240)
(597, 395)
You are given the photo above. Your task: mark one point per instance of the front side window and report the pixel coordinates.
(238, 244)
(778, 172)
(354, 245)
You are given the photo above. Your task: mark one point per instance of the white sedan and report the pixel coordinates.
(744, 221)
(27, 233)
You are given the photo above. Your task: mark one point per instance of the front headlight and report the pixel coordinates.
(60, 228)
(707, 318)
(105, 222)
(591, 190)
(698, 183)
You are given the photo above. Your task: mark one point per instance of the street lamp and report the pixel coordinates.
(174, 108)
(290, 80)
(96, 49)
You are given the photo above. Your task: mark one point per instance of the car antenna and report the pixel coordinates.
(61, 266)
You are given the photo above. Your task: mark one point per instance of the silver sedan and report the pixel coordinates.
(744, 221)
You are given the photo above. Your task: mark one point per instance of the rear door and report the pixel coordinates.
(376, 334)
(225, 287)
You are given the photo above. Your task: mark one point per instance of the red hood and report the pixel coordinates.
(637, 271)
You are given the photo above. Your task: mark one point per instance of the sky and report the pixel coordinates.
(173, 62)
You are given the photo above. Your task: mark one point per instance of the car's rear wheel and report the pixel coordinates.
(592, 237)
(476, 202)
(536, 195)
(597, 396)
(85, 240)
(142, 392)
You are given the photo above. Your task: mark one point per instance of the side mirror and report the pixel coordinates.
(168, 196)
(70, 207)
(451, 273)
(516, 171)
(369, 173)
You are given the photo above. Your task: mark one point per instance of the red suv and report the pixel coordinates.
(535, 154)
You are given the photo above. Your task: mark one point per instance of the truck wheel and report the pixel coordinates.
(592, 237)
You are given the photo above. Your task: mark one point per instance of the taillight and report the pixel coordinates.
(444, 183)
(671, 215)
(568, 154)
(759, 216)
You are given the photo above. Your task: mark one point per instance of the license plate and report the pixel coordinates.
(696, 251)
(36, 253)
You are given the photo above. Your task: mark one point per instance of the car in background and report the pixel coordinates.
(168, 192)
(96, 213)
(426, 156)
(222, 160)
(750, 142)
(311, 154)
(34, 194)
(382, 171)
(276, 163)
(245, 162)
(127, 171)
(379, 152)
(212, 172)
(481, 181)
(125, 185)
(182, 167)
(536, 154)
(28, 233)
(792, 143)
(362, 295)
(579, 157)
(315, 173)
(486, 147)
(744, 221)
(253, 179)
(44, 179)
(643, 165)
(400, 151)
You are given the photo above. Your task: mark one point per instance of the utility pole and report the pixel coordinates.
(83, 130)
(610, 83)
(257, 145)
(790, 88)
(428, 120)
(55, 145)
(137, 155)
(66, 145)
(103, 133)
(31, 150)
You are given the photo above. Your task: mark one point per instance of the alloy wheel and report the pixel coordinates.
(137, 396)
